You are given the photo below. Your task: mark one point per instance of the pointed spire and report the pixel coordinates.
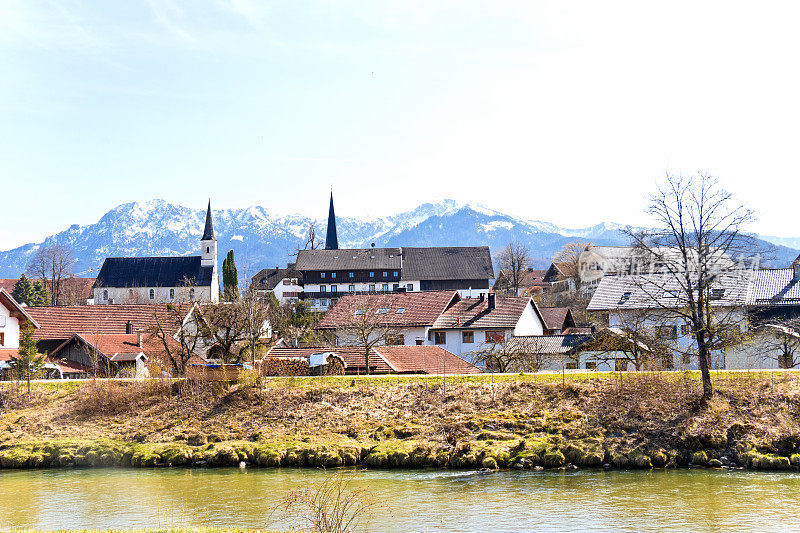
(208, 234)
(331, 241)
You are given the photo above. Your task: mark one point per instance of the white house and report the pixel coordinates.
(12, 318)
(462, 326)
(282, 282)
(138, 280)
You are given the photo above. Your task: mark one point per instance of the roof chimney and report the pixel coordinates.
(480, 297)
(491, 297)
(128, 327)
(139, 338)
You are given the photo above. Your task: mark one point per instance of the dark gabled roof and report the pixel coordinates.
(153, 272)
(449, 262)
(268, 278)
(776, 287)
(557, 317)
(475, 313)
(208, 233)
(349, 259)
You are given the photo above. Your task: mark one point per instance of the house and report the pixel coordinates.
(437, 318)
(74, 290)
(13, 318)
(323, 275)
(652, 303)
(531, 283)
(140, 280)
(108, 355)
(388, 359)
(284, 283)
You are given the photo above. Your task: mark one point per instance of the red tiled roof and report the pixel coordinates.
(63, 322)
(418, 308)
(7, 353)
(475, 313)
(425, 360)
(109, 345)
(78, 286)
(353, 357)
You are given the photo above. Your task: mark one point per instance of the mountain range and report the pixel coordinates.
(260, 239)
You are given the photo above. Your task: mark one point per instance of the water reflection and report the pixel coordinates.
(699, 500)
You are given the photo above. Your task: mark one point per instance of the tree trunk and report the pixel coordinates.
(366, 362)
(703, 358)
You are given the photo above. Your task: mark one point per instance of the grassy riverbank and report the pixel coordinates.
(621, 420)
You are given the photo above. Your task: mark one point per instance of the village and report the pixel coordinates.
(403, 310)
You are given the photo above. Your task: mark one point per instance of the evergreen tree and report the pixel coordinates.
(230, 278)
(32, 294)
(28, 362)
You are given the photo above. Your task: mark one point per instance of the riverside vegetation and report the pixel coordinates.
(635, 420)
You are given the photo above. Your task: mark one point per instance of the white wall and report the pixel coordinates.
(529, 323)
(10, 330)
(281, 289)
(141, 295)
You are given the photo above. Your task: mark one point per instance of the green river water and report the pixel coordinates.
(428, 500)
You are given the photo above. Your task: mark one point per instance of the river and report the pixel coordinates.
(432, 500)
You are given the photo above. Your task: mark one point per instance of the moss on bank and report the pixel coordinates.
(627, 422)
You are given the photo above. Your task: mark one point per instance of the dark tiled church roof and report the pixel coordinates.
(153, 272)
(208, 233)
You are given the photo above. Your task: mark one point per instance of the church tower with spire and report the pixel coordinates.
(208, 253)
(331, 240)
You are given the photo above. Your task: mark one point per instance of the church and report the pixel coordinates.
(151, 280)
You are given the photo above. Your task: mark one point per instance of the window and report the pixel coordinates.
(333, 275)
(440, 337)
(285, 282)
(620, 364)
(572, 365)
(323, 288)
(395, 286)
(208, 250)
(395, 273)
(496, 336)
(467, 337)
(171, 294)
(322, 275)
(400, 310)
(372, 287)
(410, 287)
(385, 274)
(395, 340)
(625, 297)
(152, 294)
(385, 287)
(591, 365)
(359, 312)
(334, 288)
(686, 329)
(130, 293)
(717, 294)
(324, 302)
(667, 332)
(372, 274)
(351, 288)
(105, 295)
(351, 274)
(382, 311)
(420, 342)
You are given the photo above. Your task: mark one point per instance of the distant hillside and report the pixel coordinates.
(261, 239)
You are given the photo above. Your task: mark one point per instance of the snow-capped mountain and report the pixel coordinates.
(262, 239)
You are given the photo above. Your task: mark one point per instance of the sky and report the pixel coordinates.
(568, 112)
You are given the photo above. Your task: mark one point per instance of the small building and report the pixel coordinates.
(284, 283)
(151, 280)
(557, 320)
(116, 356)
(387, 359)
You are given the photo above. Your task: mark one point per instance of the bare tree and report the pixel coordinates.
(52, 265)
(569, 259)
(223, 326)
(514, 260)
(178, 331)
(256, 320)
(700, 231)
(368, 325)
(512, 354)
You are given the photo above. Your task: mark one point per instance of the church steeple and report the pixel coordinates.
(208, 234)
(331, 241)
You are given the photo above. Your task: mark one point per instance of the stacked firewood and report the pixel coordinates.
(284, 366)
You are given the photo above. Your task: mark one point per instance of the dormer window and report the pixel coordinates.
(322, 275)
(717, 294)
(625, 297)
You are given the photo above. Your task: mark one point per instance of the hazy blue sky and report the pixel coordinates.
(562, 111)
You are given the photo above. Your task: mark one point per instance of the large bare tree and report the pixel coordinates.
(514, 260)
(368, 325)
(52, 265)
(699, 235)
(256, 315)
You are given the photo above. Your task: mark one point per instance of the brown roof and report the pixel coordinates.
(425, 360)
(389, 359)
(402, 309)
(555, 317)
(62, 322)
(78, 287)
(353, 357)
(118, 345)
(15, 309)
(475, 313)
(6, 354)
